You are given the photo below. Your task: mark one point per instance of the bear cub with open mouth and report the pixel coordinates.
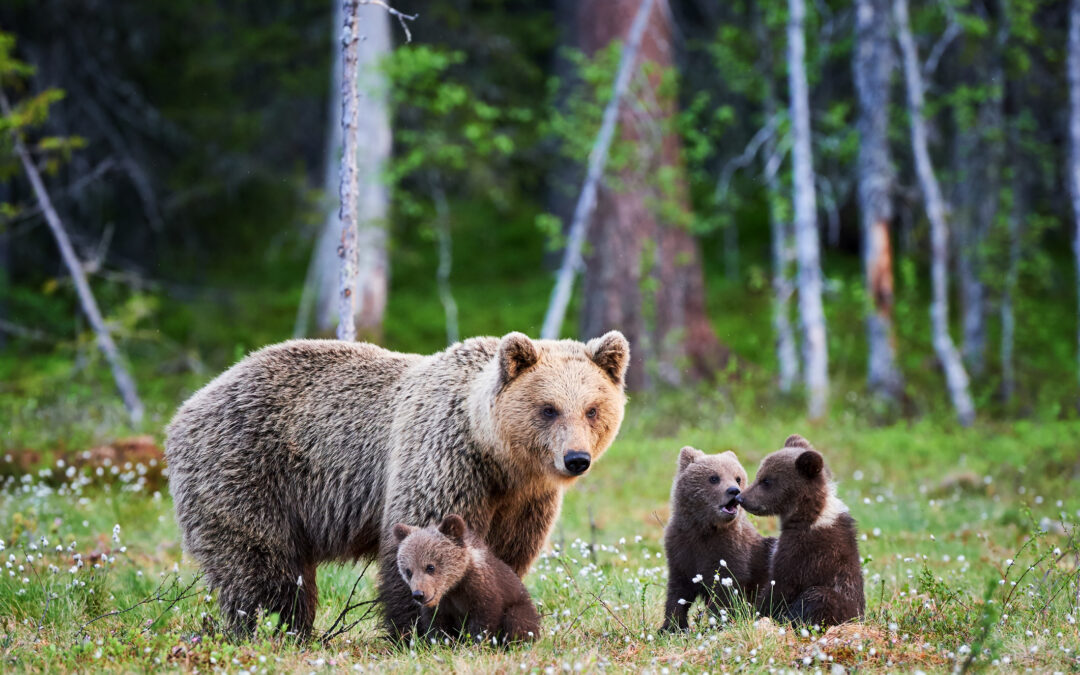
(712, 548)
(816, 565)
(461, 586)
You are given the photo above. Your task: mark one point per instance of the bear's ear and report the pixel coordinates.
(687, 456)
(797, 441)
(453, 527)
(516, 354)
(611, 352)
(810, 463)
(401, 530)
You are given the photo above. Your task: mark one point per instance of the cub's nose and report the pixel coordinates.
(733, 491)
(577, 462)
(418, 596)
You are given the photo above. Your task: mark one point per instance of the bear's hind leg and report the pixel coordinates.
(820, 605)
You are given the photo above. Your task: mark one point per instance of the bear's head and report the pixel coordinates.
(432, 560)
(558, 404)
(707, 487)
(792, 483)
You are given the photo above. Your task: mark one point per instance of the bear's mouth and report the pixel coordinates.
(730, 509)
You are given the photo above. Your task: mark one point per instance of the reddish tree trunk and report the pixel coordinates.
(643, 275)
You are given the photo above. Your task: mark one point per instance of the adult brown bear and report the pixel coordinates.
(310, 451)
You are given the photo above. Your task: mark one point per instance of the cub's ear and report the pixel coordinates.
(687, 456)
(516, 354)
(453, 527)
(731, 453)
(401, 530)
(611, 352)
(810, 463)
(797, 441)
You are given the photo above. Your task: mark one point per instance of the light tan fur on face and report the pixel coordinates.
(573, 382)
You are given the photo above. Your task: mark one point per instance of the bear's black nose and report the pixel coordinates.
(733, 491)
(577, 462)
(418, 596)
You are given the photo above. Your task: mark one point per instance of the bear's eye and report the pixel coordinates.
(430, 569)
(714, 479)
(766, 482)
(408, 574)
(590, 413)
(738, 479)
(549, 412)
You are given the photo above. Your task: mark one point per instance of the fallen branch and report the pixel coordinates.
(334, 630)
(124, 381)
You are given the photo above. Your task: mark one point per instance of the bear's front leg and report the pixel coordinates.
(400, 612)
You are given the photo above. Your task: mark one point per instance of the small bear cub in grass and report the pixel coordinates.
(816, 565)
(461, 586)
(712, 548)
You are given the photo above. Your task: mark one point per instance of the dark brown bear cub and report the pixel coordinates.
(816, 564)
(461, 586)
(712, 548)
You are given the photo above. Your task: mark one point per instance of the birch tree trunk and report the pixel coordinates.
(807, 241)
(124, 382)
(1074, 134)
(321, 296)
(780, 230)
(956, 377)
(873, 65)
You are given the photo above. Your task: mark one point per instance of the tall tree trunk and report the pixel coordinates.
(780, 229)
(1074, 135)
(446, 261)
(807, 241)
(1012, 276)
(873, 65)
(644, 276)
(321, 292)
(124, 382)
(956, 377)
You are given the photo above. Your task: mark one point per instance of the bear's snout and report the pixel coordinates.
(577, 462)
(733, 492)
(418, 596)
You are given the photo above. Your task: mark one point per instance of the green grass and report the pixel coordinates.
(942, 511)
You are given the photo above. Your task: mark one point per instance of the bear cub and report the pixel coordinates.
(712, 548)
(460, 585)
(816, 565)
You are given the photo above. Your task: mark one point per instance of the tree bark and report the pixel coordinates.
(956, 376)
(807, 241)
(1074, 135)
(644, 276)
(446, 261)
(124, 382)
(598, 156)
(360, 241)
(873, 65)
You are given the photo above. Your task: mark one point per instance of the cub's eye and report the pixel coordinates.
(714, 479)
(549, 412)
(738, 479)
(430, 569)
(590, 413)
(408, 574)
(766, 482)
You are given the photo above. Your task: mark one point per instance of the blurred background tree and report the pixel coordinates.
(204, 183)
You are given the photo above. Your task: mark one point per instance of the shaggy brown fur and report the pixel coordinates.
(309, 451)
(816, 565)
(462, 589)
(708, 526)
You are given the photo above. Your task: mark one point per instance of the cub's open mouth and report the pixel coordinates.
(731, 507)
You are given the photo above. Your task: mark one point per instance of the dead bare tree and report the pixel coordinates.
(807, 245)
(355, 242)
(124, 382)
(956, 376)
(572, 260)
